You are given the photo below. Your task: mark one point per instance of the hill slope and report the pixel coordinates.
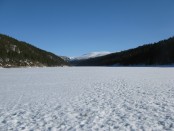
(159, 53)
(14, 53)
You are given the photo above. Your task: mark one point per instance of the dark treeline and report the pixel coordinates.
(159, 53)
(16, 53)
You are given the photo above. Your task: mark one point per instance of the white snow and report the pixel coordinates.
(13, 47)
(96, 98)
(91, 55)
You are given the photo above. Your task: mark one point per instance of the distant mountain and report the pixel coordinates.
(14, 53)
(160, 53)
(91, 55)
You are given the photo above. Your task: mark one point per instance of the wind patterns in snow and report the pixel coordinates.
(96, 98)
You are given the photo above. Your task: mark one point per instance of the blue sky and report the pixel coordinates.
(76, 27)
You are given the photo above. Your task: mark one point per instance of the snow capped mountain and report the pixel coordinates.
(91, 55)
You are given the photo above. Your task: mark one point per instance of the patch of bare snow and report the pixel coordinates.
(13, 47)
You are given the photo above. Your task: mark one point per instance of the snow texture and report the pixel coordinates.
(96, 98)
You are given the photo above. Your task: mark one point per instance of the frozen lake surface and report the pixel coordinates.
(87, 98)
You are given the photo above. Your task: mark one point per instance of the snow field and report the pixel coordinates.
(87, 98)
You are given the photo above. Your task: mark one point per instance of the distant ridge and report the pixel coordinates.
(91, 55)
(14, 53)
(160, 53)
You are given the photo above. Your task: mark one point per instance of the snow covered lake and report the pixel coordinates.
(87, 98)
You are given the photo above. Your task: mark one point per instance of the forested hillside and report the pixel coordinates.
(159, 53)
(14, 53)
